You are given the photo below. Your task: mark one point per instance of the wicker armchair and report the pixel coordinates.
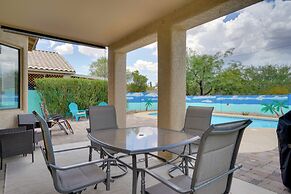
(16, 141)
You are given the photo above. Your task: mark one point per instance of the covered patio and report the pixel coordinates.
(22, 176)
(121, 27)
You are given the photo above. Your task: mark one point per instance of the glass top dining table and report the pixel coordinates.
(140, 140)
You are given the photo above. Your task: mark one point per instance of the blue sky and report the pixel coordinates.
(258, 39)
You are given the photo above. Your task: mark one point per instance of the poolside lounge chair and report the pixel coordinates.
(214, 164)
(76, 113)
(57, 119)
(74, 178)
(102, 118)
(197, 121)
(16, 141)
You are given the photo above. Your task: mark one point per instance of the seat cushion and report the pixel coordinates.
(181, 181)
(81, 177)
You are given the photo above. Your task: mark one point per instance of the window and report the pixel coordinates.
(9, 77)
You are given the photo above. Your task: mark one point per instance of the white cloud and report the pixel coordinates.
(147, 68)
(52, 43)
(94, 53)
(64, 49)
(142, 65)
(258, 38)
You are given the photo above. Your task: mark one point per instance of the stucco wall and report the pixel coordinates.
(8, 118)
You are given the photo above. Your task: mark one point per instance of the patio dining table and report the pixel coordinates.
(140, 140)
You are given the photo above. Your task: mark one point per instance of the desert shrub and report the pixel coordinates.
(59, 93)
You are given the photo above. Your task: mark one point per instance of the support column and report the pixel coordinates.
(171, 78)
(117, 84)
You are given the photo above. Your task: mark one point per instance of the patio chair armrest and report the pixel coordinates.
(208, 181)
(79, 165)
(82, 110)
(72, 149)
(166, 182)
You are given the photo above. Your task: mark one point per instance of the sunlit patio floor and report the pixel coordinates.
(259, 156)
(24, 177)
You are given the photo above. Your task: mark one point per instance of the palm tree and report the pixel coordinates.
(148, 104)
(279, 105)
(270, 108)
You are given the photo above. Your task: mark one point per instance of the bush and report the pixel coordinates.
(58, 93)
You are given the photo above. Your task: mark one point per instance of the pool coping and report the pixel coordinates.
(146, 114)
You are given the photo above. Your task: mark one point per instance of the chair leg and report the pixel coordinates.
(32, 157)
(146, 160)
(90, 153)
(108, 176)
(142, 182)
(1, 163)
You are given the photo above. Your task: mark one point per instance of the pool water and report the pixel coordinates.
(257, 123)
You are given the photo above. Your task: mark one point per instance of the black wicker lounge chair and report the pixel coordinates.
(16, 141)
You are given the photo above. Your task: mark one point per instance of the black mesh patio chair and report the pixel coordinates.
(74, 178)
(102, 118)
(16, 141)
(197, 121)
(214, 164)
(57, 119)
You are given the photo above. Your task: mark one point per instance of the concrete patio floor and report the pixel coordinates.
(258, 155)
(24, 177)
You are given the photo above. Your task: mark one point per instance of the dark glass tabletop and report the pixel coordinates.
(138, 140)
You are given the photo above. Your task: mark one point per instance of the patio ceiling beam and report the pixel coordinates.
(195, 13)
(46, 36)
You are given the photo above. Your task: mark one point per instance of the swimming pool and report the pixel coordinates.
(257, 123)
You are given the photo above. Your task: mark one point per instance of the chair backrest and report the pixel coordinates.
(48, 146)
(44, 111)
(217, 155)
(28, 120)
(198, 119)
(102, 104)
(16, 141)
(73, 108)
(102, 117)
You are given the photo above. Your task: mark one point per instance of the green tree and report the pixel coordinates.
(138, 84)
(99, 68)
(268, 79)
(201, 71)
(128, 76)
(230, 81)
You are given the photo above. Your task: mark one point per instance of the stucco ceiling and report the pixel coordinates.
(99, 22)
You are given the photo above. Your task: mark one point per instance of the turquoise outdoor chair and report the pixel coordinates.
(102, 104)
(76, 113)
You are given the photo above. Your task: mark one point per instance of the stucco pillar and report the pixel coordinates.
(171, 79)
(117, 84)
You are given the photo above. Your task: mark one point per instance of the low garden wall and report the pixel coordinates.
(248, 104)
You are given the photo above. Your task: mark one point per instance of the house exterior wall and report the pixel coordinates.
(8, 118)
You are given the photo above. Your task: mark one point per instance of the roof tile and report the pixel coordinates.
(49, 61)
